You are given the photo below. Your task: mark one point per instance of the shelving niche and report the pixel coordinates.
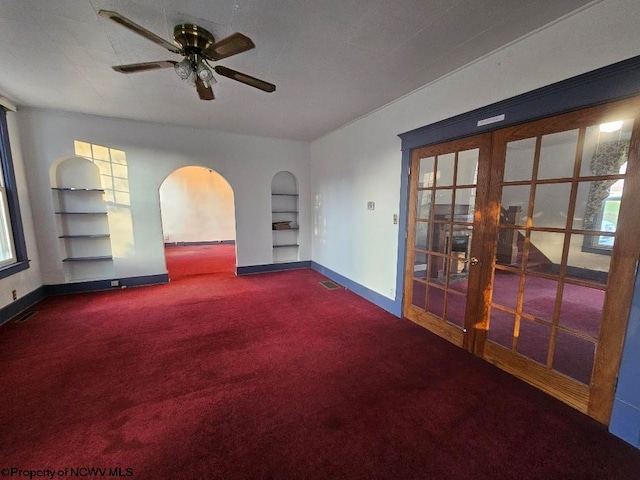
(82, 218)
(284, 217)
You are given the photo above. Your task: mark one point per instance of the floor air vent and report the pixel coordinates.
(329, 285)
(23, 317)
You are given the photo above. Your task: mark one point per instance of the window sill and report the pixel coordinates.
(14, 268)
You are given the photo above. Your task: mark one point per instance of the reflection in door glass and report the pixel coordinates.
(419, 295)
(558, 154)
(533, 340)
(501, 328)
(574, 356)
(444, 177)
(436, 301)
(467, 167)
(505, 289)
(551, 205)
(606, 148)
(519, 160)
(514, 206)
(581, 309)
(426, 176)
(540, 297)
(424, 204)
(587, 260)
(456, 305)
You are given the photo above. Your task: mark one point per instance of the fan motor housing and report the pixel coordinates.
(192, 38)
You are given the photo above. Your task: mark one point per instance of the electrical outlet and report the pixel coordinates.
(14, 294)
(115, 283)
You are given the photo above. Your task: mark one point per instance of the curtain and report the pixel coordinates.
(606, 160)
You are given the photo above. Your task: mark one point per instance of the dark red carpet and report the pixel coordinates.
(274, 377)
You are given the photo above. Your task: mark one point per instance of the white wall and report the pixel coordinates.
(30, 279)
(197, 206)
(153, 151)
(361, 162)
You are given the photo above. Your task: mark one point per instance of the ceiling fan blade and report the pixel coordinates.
(142, 67)
(232, 45)
(205, 93)
(244, 78)
(125, 22)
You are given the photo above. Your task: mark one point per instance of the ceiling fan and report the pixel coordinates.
(198, 47)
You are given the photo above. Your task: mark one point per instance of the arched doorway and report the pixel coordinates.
(198, 222)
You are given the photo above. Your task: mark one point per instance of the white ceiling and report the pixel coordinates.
(332, 60)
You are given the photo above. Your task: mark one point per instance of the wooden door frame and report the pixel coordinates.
(595, 400)
(464, 337)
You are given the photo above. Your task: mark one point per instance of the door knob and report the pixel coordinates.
(472, 261)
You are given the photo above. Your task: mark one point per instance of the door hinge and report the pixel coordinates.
(409, 170)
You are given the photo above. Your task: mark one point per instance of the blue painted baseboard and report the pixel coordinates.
(391, 306)
(272, 267)
(20, 305)
(97, 285)
(190, 244)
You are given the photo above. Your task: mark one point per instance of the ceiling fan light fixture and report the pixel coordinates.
(191, 78)
(184, 69)
(204, 72)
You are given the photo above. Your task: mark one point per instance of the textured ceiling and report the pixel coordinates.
(332, 60)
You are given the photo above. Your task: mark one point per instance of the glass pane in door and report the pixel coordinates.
(554, 245)
(445, 206)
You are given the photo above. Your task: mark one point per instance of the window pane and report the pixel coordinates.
(604, 152)
(501, 327)
(519, 160)
(510, 247)
(465, 205)
(597, 205)
(456, 307)
(424, 204)
(420, 265)
(6, 244)
(545, 252)
(581, 309)
(515, 204)
(468, 167)
(435, 302)
(418, 294)
(585, 262)
(574, 357)
(551, 205)
(505, 289)
(422, 235)
(444, 177)
(540, 297)
(558, 155)
(443, 204)
(425, 179)
(533, 341)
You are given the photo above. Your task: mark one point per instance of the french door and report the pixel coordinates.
(543, 286)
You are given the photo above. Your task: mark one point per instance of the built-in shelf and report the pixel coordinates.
(105, 235)
(74, 189)
(285, 212)
(88, 259)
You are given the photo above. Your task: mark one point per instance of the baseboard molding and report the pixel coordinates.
(392, 306)
(22, 304)
(190, 244)
(98, 285)
(272, 267)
